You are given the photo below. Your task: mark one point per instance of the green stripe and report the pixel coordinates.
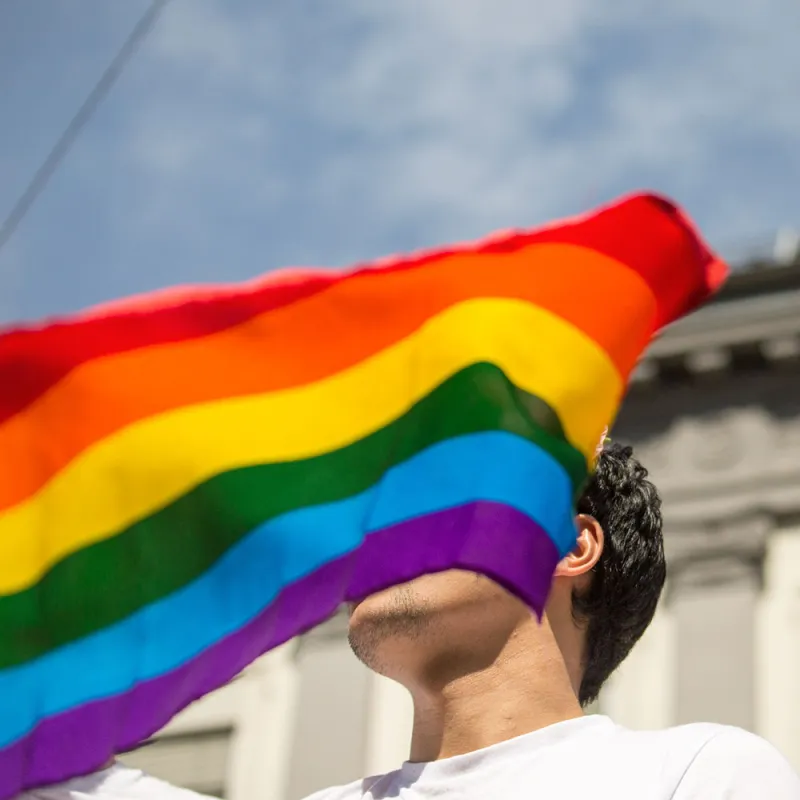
(106, 582)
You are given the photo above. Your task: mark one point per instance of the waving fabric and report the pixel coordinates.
(191, 478)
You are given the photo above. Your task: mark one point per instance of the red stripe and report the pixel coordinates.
(682, 271)
(35, 358)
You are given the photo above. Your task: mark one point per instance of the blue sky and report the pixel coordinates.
(250, 135)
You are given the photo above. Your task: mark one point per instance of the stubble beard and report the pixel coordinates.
(403, 622)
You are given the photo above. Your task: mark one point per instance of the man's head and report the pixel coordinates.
(603, 598)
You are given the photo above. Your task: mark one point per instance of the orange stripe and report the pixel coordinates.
(308, 341)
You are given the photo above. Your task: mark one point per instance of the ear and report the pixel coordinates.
(587, 550)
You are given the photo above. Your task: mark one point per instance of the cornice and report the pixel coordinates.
(748, 333)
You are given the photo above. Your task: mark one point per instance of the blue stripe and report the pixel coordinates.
(492, 466)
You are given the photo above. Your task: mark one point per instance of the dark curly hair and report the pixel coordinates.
(627, 581)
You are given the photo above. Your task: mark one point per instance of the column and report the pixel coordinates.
(330, 726)
(778, 664)
(715, 584)
(262, 743)
(641, 693)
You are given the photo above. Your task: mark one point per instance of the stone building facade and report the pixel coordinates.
(714, 413)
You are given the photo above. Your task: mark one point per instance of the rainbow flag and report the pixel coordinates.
(191, 478)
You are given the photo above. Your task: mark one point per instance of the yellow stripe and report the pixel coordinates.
(149, 464)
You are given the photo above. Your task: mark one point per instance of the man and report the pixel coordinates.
(498, 696)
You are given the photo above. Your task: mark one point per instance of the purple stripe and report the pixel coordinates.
(490, 538)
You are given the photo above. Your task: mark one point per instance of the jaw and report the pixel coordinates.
(436, 628)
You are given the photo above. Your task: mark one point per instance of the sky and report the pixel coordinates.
(249, 135)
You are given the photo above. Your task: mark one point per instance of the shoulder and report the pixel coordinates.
(737, 764)
(702, 761)
(675, 747)
(118, 782)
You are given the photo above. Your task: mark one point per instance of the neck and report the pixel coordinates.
(528, 686)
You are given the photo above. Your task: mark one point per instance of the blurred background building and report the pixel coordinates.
(714, 413)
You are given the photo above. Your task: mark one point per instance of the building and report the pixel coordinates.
(714, 413)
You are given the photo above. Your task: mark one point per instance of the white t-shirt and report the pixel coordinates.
(590, 757)
(115, 783)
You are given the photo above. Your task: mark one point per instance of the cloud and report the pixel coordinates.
(250, 135)
(460, 115)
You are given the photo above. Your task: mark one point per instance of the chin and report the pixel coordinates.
(382, 623)
(397, 630)
(408, 607)
(395, 601)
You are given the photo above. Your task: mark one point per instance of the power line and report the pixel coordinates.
(79, 120)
